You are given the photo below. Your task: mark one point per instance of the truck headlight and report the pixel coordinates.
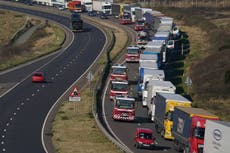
(200, 146)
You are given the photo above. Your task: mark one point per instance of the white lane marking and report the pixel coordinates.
(67, 65)
(27, 99)
(60, 71)
(52, 78)
(64, 68)
(3, 149)
(7, 124)
(15, 113)
(3, 136)
(11, 118)
(38, 90)
(51, 109)
(2, 142)
(18, 108)
(22, 103)
(33, 94)
(56, 74)
(70, 62)
(43, 86)
(4, 130)
(76, 57)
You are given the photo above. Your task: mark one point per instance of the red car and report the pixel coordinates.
(144, 138)
(38, 77)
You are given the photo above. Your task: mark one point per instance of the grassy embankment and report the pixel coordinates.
(77, 131)
(45, 40)
(208, 62)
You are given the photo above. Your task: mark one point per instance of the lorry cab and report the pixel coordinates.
(132, 54)
(144, 138)
(124, 108)
(74, 6)
(139, 25)
(119, 72)
(142, 39)
(125, 18)
(118, 88)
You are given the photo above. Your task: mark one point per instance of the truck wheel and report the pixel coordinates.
(157, 128)
(186, 150)
(162, 133)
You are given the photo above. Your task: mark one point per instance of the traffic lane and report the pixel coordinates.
(61, 19)
(60, 73)
(125, 131)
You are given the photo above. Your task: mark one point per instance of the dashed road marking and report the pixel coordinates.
(52, 78)
(38, 90)
(27, 99)
(3, 149)
(56, 75)
(7, 124)
(22, 103)
(3, 136)
(11, 118)
(2, 142)
(18, 108)
(15, 113)
(4, 130)
(64, 68)
(60, 71)
(33, 94)
(43, 86)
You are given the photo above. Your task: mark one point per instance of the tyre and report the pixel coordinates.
(186, 150)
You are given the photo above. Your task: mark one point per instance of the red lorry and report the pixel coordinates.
(132, 54)
(74, 6)
(124, 108)
(119, 72)
(118, 88)
(125, 18)
(189, 127)
(139, 25)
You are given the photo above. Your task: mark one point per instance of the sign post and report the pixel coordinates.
(75, 96)
(89, 78)
(188, 83)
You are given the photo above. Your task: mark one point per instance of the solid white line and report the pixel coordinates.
(104, 116)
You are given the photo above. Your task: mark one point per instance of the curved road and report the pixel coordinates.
(24, 108)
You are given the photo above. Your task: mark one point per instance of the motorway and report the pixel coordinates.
(123, 131)
(24, 108)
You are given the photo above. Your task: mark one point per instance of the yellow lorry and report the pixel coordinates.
(164, 108)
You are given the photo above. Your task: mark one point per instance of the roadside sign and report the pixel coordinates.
(75, 95)
(188, 81)
(89, 76)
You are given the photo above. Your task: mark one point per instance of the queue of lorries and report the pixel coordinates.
(193, 130)
(174, 117)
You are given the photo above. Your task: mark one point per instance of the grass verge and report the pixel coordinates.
(44, 41)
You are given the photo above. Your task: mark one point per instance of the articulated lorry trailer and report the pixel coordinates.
(76, 23)
(164, 109)
(217, 137)
(152, 87)
(189, 128)
(102, 6)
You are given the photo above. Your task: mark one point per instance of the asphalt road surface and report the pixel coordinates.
(24, 108)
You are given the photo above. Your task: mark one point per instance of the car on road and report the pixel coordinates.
(103, 16)
(38, 77)
(144, 138)
(92, 13)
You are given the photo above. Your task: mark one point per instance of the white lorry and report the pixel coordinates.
(150, 74)
(43, 2)
(88, 5)
(217, 137)
(152, 87)
(102, 6)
